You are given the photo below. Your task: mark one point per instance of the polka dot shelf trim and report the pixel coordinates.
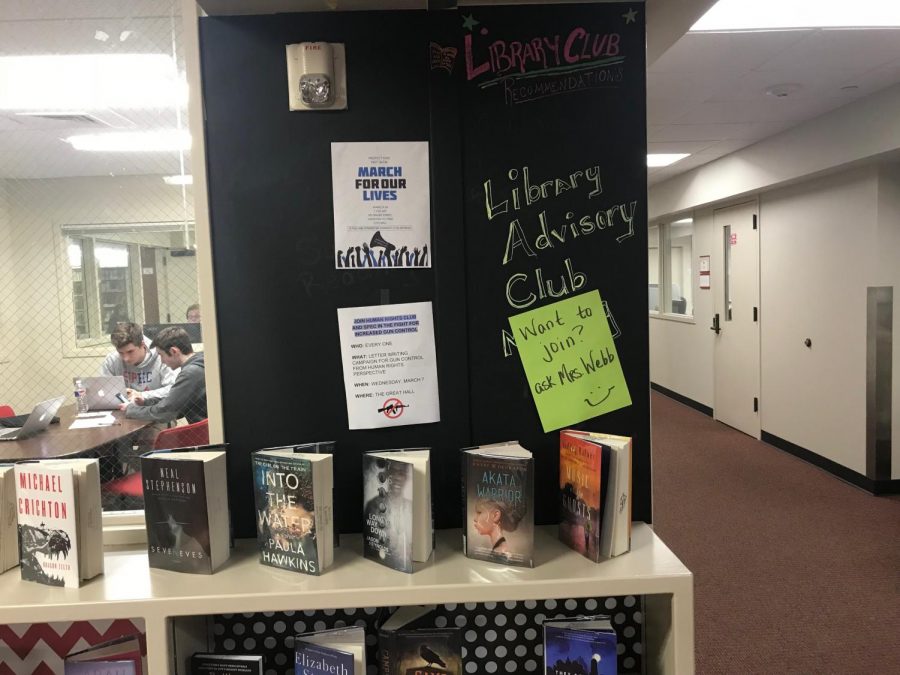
(497, 637)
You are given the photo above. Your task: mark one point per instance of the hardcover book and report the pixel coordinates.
(340, 651)
(186, 509)
(59, 512)
(320, 448)
(99, 668)
(410, 644)
(590, 459)
(397, 524)
(226, 664)
(580, 646)
(293, 492)
(583, 473)
(498, 498)
(9, 536)
(126, 655)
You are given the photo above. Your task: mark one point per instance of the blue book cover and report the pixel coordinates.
(313, 659)
(100, 668)
(579, 647)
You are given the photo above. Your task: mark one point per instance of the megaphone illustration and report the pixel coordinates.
(378, 240)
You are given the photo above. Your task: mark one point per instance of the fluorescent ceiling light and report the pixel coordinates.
(662, 159)
(682, 221)
(764, 15)
(132, 141)
(90, 82)
(181, 179)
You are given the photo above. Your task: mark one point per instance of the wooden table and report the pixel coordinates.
(60, 441)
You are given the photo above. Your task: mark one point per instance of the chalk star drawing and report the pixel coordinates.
(469, 22)
(629, 16)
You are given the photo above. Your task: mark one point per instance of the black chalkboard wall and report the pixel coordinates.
(556, 89)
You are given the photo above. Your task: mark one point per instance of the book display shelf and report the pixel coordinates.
(177, 608)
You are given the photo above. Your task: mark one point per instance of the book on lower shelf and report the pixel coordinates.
(409, 643)
(60, 530)
(339, 651)
(9, 535)
(595, 493)
(125, 655)
(186, 508)
(498, 499)
(397, 521)
(584, 645)
(293, 493)
(226, 664)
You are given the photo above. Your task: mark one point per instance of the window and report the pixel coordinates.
(96, 202)
(670, 259)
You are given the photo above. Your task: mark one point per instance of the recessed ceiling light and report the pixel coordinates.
(741, 15)
(137, 141)
(783, 90)
(665, 159)
(90, 82)
(180, 179)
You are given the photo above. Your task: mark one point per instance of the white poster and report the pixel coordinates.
(390, 373)
(382, 207)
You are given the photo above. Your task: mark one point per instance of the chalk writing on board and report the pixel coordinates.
(540, 213)
(442, 58)
(538, 66)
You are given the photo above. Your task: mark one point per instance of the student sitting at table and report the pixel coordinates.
(144, 371)
(187, 397)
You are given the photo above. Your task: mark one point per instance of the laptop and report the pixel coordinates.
(102, 390)
(37, 421)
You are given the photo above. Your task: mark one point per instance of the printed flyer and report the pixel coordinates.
(382, 205)
(390, 371)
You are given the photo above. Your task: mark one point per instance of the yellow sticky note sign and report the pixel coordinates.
(570, 360)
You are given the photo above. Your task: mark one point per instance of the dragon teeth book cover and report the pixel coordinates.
(48, 541)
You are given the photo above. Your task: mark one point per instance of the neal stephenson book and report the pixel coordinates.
(293, 492)
(397, 525)
(498, 498)
(186, 508)
(584, 645)
(410, 644)
(339, 651)
(59, 528)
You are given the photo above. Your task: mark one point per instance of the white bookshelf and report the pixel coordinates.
(174, 606)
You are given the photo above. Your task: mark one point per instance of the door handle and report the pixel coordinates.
(715, 325)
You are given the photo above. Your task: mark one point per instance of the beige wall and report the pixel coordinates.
(818, 252)
(822, 243)
(35, 316)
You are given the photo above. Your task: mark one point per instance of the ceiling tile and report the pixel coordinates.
(840, 49)
(696, 132)
(740, 52)
(691, 147)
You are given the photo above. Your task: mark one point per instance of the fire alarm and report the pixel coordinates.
(317, 76)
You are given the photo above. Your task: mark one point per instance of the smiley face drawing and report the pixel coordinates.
(606, 396)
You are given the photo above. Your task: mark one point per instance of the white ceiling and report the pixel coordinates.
(707, 94)
(706, 91)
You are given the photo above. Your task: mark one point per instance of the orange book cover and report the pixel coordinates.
(581, 474)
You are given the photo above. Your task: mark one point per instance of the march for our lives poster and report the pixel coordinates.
(382, 206)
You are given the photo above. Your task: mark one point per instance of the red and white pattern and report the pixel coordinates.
(39, 648)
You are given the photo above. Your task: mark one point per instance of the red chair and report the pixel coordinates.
(187, 435)
(184, 436)
(6, 411)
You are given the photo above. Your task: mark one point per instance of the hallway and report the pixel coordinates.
(795, 571)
